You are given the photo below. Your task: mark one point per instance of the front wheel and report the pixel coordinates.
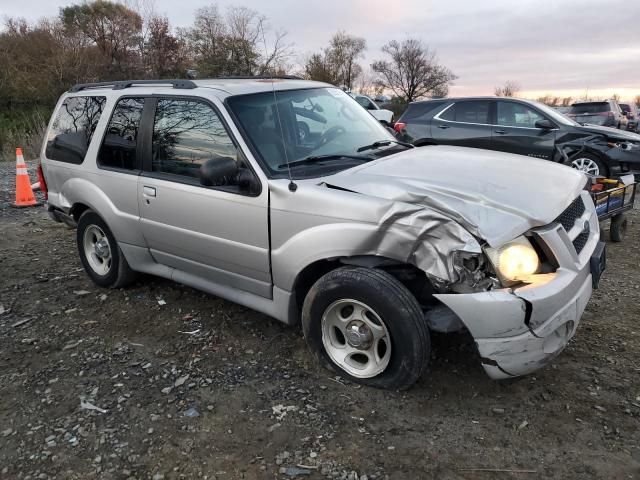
(99, 252)
(364, 324)
(589, 164)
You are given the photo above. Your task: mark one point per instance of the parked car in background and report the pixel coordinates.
(606, 113)
(631, 112)
(368, 243)
(381, 114)
(563, 110)
(523, 127)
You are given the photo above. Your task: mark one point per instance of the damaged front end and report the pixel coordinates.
(522, 327)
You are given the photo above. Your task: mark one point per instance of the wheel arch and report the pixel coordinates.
(409, 275)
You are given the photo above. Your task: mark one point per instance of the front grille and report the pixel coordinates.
(581, 240)
(574, 211)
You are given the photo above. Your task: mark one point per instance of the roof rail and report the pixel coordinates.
(121, 84)
(258, 77)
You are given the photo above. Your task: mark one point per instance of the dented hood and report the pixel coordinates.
(496, 196)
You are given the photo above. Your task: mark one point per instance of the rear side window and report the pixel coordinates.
(119, 147)
(73, 127)
(468, 112)
(186, 134)
(590, 107)
(421, 111)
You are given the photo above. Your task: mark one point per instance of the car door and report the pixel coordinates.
(515, 131)
(219, 234)
(465, 123)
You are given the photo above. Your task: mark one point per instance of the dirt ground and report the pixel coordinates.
(202, 388)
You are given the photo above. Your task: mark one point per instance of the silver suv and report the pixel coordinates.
(287, 197)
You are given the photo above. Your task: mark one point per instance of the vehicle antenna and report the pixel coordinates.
(292, 185)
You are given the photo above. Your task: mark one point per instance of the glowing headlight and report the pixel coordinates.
(516, 260)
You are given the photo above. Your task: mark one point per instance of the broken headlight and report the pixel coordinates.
(515, 261)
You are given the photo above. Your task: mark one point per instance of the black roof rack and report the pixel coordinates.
(121, 84)
(258, 77)
(175, 83)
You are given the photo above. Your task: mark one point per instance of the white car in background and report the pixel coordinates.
(380, 114)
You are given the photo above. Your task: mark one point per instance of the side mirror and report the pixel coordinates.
(545, 124)
(218, 171)
(248, 182)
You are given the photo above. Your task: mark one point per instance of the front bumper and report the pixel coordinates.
(517, 331)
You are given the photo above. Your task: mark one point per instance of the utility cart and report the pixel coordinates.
(612, 199)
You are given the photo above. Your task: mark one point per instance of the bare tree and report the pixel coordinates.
(566, 101)
(337, 64)
(509, 89)
(412, 70)
(344, 50)
(615, 97)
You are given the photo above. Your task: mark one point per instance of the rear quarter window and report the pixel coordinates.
(73, 128)
(421, 111)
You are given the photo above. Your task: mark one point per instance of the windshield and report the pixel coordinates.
(555, 115)
(308, 124)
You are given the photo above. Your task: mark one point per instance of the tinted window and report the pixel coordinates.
(421, 111)
(118, 148)
(185, 135)
(73, 128)
(468, 112)
(512, 114)
(625, 107)
(590, 107)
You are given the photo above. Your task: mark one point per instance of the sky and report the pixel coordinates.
(559, 47)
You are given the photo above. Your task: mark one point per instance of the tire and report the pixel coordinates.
(585, 161)
(618, 228)
(403, 345)
(108, 269)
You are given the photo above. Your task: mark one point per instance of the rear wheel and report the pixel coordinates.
(364, 324)
(590, 164)
(99, 252)
(618, 228)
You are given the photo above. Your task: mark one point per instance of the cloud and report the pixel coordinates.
(545, 45)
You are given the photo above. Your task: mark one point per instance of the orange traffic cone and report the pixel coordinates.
(24, 193)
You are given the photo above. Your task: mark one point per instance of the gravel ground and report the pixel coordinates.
(160, 381)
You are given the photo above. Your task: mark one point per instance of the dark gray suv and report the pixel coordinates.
(523, 127)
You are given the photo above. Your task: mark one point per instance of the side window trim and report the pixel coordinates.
(147, 160)
(139, 140)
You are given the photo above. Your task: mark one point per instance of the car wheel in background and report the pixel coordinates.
(364, 324)
(99, 252)
(590, 164)
(618, 228)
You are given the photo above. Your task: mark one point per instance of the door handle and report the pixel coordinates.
(149, 191)
(443, 127)
(500, 132)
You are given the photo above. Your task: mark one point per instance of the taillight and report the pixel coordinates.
(43, 182)
(609, 114)
(399, 126)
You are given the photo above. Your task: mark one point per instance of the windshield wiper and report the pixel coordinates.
(383, 143)
(320, 158)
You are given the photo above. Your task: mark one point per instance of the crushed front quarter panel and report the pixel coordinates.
(317, 222)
